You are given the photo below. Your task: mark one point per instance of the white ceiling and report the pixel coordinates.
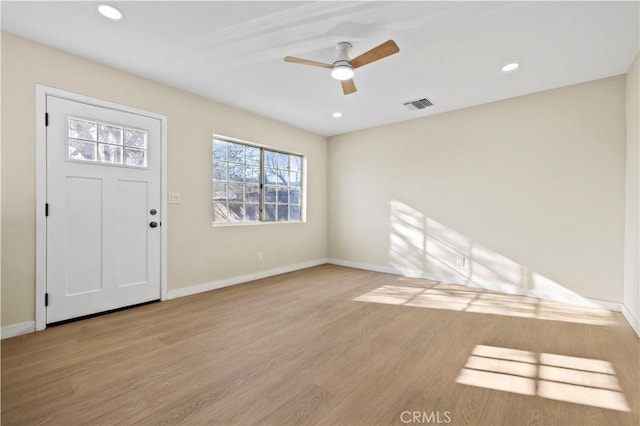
(450, 52)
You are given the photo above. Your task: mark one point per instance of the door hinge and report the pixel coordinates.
(46, 209)
(46, 118)
(46, 299)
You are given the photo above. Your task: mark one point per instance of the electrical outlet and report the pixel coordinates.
(460, 261)
(259, 257)
(174, 198)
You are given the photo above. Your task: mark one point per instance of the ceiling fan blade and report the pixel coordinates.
(348, 86)
(387, 48)
(306, 62)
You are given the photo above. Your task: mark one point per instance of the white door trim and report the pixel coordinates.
(41, 188)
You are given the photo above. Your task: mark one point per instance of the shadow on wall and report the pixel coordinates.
(422, 247)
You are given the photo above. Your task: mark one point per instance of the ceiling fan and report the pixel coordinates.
(342, 68)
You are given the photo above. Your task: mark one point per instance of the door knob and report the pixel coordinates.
(153, 224)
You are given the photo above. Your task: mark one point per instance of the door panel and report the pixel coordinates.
(132, 222)
(83, 242)
(103, 178)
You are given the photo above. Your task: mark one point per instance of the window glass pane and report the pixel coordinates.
(252, 212)
(82, 129)
(294, 178)
(252, 174)
(294, 196)
(270, 194)
(220, 170)
(135, 138)
(236, 212)
(294, 212)
(235, 192)
(283, 161)
(295, 162)
(252, 193)
(219, 191)
(253, 155)
(220, 150)
(283, 212)
(270, 212)
(283, 195)
(135, 157)
(236, 172)
(220, 212)
(270, 159)
(236, 152)
(110, 154)
(110, 134)
(79, 150)
(270, 176)
(283, 177)
(237, 175)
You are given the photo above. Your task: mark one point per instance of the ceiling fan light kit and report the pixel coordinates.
(343, 68)
(342, 71)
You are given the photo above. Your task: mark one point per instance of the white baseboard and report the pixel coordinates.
(633, 321)
(503, 288)
(18, 329)
(226, 282)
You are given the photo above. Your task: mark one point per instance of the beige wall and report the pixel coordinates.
(530, 190)
(632, 206)
(197, 252)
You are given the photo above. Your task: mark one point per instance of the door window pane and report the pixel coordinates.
(135, 157)
(79, 150)
(110, 134)
(135, 138)
(82, 129)
(110, 154)
(83, 134)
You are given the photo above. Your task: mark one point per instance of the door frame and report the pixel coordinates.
(42, 92)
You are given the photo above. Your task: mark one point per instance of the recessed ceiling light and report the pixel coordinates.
(109, 12)
(337, 114)
(510, 67)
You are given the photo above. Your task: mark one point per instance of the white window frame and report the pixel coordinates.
(261, 221)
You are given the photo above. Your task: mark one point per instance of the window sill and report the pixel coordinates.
(232, 224)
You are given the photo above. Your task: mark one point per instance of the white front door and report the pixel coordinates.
(103, 197)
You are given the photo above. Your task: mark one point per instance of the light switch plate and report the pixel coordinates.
(174, 198)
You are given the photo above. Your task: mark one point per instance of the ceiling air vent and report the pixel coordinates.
(418, 104)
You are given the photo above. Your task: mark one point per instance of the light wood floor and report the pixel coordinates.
(298, 349)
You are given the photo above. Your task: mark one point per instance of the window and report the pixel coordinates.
(96, 142)
(253, 184)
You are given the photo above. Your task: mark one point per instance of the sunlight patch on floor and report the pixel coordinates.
(559, 377)
(448, 297)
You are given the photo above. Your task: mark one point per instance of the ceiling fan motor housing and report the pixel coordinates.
(343, 49)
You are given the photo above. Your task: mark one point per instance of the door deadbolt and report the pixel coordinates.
(153, 212)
